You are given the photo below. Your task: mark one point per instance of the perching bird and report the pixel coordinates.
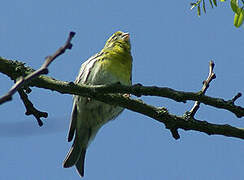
(112, 64)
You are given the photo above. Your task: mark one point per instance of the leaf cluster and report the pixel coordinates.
(239, 12)
(234, 4)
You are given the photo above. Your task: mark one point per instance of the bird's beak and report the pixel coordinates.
(126, 36)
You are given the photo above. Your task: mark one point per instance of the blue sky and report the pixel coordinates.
(171, 47)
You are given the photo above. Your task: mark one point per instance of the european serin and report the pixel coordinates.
(111, 65)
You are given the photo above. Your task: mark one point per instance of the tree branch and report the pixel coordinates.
(43, 70)
(20, 82)
(14, 69)
(106, 94)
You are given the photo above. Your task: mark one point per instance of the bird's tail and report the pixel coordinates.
(76, 156)
(80, 163)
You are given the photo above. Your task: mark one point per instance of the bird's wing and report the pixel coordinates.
(81, 79)
(86, 68)
(73, 121)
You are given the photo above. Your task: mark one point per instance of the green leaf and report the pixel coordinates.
(203, 6)
(198, 10)
(239, 17)
(193, 5)
(215, 2)
(211, 3)
(234, 5)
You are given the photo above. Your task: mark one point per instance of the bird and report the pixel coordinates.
(113, 64)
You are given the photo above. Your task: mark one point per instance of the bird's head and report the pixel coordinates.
(119, 41)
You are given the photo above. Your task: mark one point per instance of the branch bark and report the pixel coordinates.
(107, 94)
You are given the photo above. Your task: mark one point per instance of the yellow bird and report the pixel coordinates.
(112, 64)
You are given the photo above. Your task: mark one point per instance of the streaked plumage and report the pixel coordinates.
(111, 65)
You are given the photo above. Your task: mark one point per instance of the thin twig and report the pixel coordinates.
(43, 70)
(196, 106)
(175, 133)
(206, 83)
(235, 98)
(30, 109)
